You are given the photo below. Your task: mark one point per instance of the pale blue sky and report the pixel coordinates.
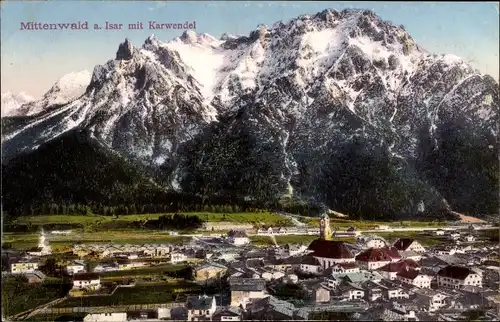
(33, 60)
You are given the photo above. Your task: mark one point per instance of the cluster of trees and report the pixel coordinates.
(177, 221)
(45, 209)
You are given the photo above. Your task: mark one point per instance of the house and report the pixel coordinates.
(76, 267)
(351, 291)
(145, 315)
(371, 242)
(310, 265)
(200, 308)
(373, 290)
(455, 236)
(176, 257)
(270, 308)
(86, 281)
(35, 251)
(414, 277)
(229, 313)
(36, 277)
(390, 270)
(373, 258)
(458, 277)
(393, 290)
(272, 231)
(407, 244)
(106, 267)
(318, 292)
(469, 238)
(243, 290)
(398, 313)
(362, 276)
(329, 252)
(106, 317)
(24, 265)
(411, 255)
(344, 268)
(209, 272)
(313, 231)
(294, 250)
(127, 255)
(430, 300)
(263, 231)
(393, 253)
(439, 232)
(238, 237)
(127, 264)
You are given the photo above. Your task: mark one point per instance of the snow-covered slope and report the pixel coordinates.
(68, 88)
(12, 102)
(294, 95)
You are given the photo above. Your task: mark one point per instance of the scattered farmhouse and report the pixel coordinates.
(90, 281)
(24, 265)
(238, 238)
(76, 267)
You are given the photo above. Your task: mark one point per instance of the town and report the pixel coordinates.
(340, 275)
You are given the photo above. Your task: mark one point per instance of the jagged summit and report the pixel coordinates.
(277, 112)
(125, 51)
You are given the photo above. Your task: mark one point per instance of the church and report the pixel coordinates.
(329, 252)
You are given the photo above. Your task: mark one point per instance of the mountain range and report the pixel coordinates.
(339, 109)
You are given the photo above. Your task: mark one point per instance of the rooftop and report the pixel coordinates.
(330, 249)
(199, 302)
(403, 243)
(247, 284)
(456, 272)
(374, 255)
(86, 277)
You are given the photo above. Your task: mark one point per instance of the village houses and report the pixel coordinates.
(458, 277)
(200, 308)
(89, 281)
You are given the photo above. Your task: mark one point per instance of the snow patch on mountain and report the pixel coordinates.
(11, 103)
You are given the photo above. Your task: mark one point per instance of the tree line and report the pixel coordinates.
(46, 209)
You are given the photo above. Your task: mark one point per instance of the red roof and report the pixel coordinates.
(403, 243)
(392, 251)
(309, 260)
(330, 249)
(456, 272)
(399, 266)
(409, 274)
(374, 255)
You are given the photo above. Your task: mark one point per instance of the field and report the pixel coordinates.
(290, 239)
(244, 217)
(62, 243)
(18, 296)
(422, 238)
(141, 294)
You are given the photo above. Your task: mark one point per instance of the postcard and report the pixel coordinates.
(249, 160)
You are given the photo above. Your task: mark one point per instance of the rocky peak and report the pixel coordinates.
(189, 37)
(125, 50)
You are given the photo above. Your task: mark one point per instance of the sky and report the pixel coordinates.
(32, 61)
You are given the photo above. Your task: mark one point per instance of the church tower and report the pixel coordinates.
(325, 232)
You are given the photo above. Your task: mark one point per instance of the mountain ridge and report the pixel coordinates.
(299, 96)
